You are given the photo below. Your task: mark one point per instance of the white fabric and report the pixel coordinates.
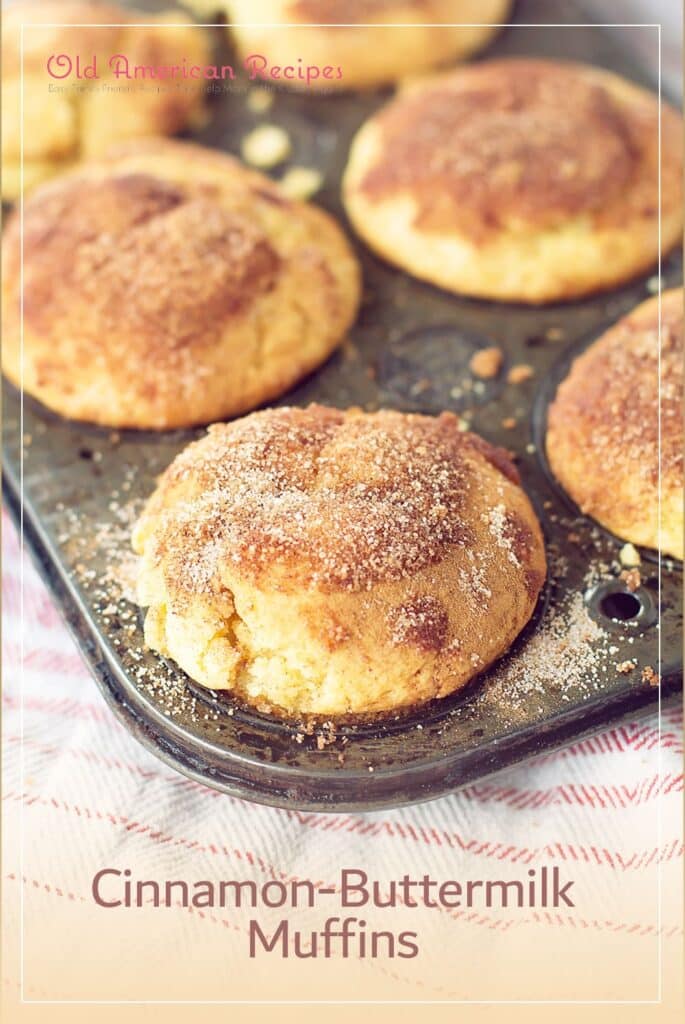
(92, 795)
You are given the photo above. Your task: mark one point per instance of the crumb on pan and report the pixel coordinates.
(631, 578)
(260, 100)
(487, 362)
(520, 373)
(629, 555)
(554, 334)
(301, 182)
(265, 146)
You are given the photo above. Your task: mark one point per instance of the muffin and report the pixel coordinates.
(65, 118)
(337, 562)
(167, 286)
(603, 427)
(370, 50)
(525, 181)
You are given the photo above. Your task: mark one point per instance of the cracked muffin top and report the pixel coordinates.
(338, 561)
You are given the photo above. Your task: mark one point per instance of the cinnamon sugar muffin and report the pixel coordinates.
(371, 49)
(168, 286)
(518, 180)
(603, 427)
(314, 560)
(78, 119)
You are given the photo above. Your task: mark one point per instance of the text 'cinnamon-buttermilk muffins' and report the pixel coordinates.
(519, 180)
(616, 425)
(67, 118)
(169, 286)
(354, 44)
(319, 561)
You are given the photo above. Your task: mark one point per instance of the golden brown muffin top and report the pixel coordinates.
(166, 285)
(138, 256)
(334, 500)
(527, 143)
(610, 399)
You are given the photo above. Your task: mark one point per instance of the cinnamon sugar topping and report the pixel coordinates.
(508, 143)
(422, 622)
(128, 253)
(613, 394)
(324, 499)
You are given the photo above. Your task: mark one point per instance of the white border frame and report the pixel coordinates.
(338, 1003)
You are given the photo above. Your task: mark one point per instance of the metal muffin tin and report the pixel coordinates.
(409, 350)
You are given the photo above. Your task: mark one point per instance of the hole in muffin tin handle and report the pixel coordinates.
(612, 604)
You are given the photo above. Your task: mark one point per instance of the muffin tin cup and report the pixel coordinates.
(410, 350)
(256, 757)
